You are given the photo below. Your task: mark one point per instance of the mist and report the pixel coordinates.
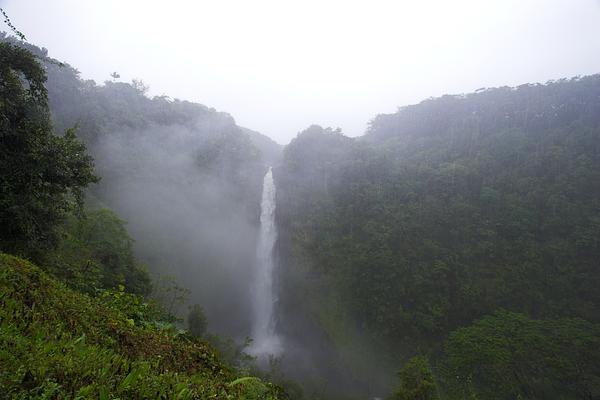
(186, 223)
(279, 67)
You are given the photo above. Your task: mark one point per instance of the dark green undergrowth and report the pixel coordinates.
(57, 343)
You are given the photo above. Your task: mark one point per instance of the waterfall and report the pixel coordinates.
(265, 340)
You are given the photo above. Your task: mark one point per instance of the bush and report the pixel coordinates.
(416, 381)
(508, 355)
(95, 252)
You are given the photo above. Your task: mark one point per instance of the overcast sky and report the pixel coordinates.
(278, 66)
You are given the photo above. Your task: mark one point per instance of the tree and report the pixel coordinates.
(170, 295)
(197, 321)
(97, 252)
(43, 175)
(416, 381)
(508, 356)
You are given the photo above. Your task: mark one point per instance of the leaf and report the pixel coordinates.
(243, 380)
(79, 339)
(103, 395)
(130, 379)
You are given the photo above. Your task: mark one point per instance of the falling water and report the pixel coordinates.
(265, 340)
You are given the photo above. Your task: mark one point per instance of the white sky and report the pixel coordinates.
(278, 66)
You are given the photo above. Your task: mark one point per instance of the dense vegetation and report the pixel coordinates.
(444, 213)
(43, 175)
(508, 355)
(95, 251)
(57, 343)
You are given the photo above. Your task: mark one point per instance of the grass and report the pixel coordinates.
(57, 343)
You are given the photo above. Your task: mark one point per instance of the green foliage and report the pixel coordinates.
(137, 310)
(255, 389)
(58, 343)
(416, 381)
(95, 252)
(508, 356)
(170, 295)
(233, 353)
(43, 175)
(444, 212)
(196, 321)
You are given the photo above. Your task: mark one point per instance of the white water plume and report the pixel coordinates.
(265, 340)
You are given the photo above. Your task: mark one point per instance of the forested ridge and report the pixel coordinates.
(450, 215)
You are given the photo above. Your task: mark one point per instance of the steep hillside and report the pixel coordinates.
(58, 343)
(443, 213)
